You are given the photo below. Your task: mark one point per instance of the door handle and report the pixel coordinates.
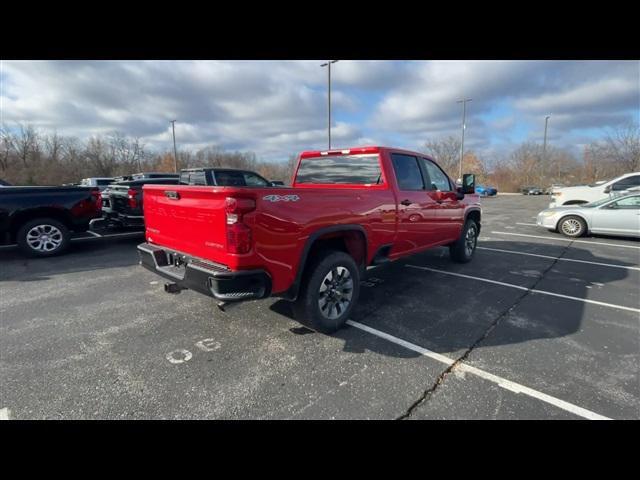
(406, 202)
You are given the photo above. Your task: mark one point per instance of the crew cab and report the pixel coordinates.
(41, 219)
(582, 194)
(312, 242)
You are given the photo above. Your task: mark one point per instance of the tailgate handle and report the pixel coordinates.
(172, 194)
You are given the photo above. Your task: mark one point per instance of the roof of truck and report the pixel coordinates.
(358, 151)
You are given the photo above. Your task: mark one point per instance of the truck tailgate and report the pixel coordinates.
(188, 219)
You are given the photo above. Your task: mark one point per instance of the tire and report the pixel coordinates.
(572, 226)
(326, 309)
(462, 250)
(43, 237)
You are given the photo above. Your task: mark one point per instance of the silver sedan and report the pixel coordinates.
(609, 216)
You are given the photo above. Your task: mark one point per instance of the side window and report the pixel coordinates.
(407, 172)
(439, 181)
(193, 178)
(197, 178)
(253, 180)
(626, 183)
(628, 202)
(230, 178)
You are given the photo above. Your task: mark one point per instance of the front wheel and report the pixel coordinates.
(462, 250)
(572, 226)
(329, 293)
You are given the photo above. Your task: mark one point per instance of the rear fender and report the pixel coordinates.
(355, 240)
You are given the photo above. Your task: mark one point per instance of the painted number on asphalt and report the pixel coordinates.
(208, 345)
(181, 355)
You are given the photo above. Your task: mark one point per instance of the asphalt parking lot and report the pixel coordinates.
(535, 327)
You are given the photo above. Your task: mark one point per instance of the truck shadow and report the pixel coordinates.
(448, 314)
(82, 256)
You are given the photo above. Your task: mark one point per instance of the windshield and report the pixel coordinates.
(597, 203)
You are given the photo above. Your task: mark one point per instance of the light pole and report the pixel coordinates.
(544, 144)
(328, 65)
(175, 151)
(464, 118)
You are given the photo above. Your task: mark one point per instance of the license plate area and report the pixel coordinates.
(176, 265)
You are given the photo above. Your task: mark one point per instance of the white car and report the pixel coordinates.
(619, 215)
(596, 191)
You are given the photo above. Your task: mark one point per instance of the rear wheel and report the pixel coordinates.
(572, 226)
(329, 292)
(462, 250)
(43, 237)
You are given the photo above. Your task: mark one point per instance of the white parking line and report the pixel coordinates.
(560, 259)
(5, 413)
(532, 290)
(502, 382)
(567, 240)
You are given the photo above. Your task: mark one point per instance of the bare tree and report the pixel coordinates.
(446, 151)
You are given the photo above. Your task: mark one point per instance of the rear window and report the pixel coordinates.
(340, 169)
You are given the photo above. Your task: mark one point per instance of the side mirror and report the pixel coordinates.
(468, 183)
(608, 189)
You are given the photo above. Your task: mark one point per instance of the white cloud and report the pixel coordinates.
(276, 108)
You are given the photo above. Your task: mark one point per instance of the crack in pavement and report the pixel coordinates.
(426, 395)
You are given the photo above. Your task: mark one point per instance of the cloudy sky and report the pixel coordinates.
(276, 108)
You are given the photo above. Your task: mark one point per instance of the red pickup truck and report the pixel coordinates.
(312, 242)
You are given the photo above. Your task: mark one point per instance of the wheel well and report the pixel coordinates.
(575, 202)
(21, 218)
(348, 241)
(475, 216)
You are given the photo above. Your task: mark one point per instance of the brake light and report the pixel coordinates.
(97, 197)
(131, 194)
(238, 233)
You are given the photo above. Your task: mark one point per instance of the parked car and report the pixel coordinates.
(596, 191)
(100, 182)
(4, 183)
(125, 203)
(41, 219)
(486, 191)
(226, 177)
(532, 191)
(611, 216)
(309, 243)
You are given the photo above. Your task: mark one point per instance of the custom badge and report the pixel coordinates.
(281, 198)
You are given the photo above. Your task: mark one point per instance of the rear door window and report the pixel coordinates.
(341, 169)
(407, 171)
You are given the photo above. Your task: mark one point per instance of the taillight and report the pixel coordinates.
(97, 197)
(131, 194)
(238, 233)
